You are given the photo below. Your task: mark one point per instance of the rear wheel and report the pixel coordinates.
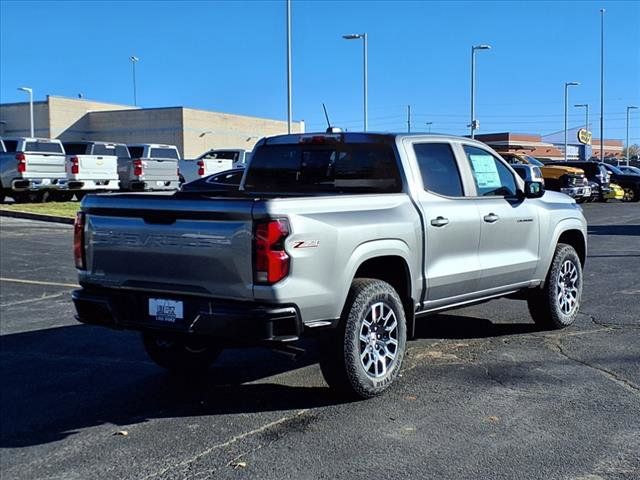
(556, 305)
(630, 194)
(178, 354)
(364, 355)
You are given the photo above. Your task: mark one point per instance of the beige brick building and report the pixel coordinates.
(192, 131)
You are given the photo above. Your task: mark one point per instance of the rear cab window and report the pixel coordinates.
(43, 147)
(77, 148)
(439, 169)
(491, 176)
(11, 145)
(136, 152)
(164, 153)
(333, 167)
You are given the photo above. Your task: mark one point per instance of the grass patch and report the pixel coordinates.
(60, 209)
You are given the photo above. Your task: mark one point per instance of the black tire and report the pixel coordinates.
(581, 200)
(180, 355)
(547, 309)
(32, 196)
(62, 196)
(631, 194)
(344, 355)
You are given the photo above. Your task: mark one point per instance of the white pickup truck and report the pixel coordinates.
(211, 162)
(151, 167)
(93, 166)
(32, 169)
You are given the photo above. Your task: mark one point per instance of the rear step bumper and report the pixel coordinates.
(234, 322)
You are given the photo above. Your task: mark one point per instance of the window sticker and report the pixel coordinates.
(486, 171)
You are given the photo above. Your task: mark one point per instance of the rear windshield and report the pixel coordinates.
(117, 150)
(76, 148)
(136, 152)
(43, 147)
(164, 153)
(10, 145)
(222, 155)
(326, 168)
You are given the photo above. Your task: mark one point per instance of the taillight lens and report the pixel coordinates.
(137, 167)
(271, 262)
(22, 162)
(200, 168)
(75, 165)
(78, 241)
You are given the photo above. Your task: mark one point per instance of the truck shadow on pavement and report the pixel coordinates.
(58, 381)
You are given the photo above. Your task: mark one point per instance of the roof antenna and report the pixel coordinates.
(330, 129)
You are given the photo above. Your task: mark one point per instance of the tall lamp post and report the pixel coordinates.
(429, 125)
(289, 110)
(602, 84)
(134, 60)
(630, 107)
(566, 112)
(586, 117)
(30, 92)
(474, 123)
(363, 36)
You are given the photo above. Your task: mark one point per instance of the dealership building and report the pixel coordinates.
(193, 131)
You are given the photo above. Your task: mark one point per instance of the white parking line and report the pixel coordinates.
(37, 282)
(31, 300)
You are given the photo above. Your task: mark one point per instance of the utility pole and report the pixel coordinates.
(602, 84)
(630, 107)
(289, 110)
(409, 118)
(134, 60)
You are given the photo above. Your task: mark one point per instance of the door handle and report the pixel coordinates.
(439, 222)
(491, 218)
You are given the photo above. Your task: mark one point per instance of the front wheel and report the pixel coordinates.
(556, 305)
(178, 354)
(364, 355)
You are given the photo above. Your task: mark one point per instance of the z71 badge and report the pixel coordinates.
(306, 244)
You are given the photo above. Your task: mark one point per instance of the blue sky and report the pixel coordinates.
(230, 57)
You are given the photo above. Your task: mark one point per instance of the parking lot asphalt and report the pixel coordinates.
(483, 394)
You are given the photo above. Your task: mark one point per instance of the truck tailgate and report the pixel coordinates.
(40, 165)
(162, 243)
(97, 167)
(160, 169)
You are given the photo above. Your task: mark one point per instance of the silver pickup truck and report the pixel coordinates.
(31, 169)
(150, 167)
(354, 235)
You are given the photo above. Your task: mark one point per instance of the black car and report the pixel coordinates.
(595, 173)
(629, 183)
(228, 180)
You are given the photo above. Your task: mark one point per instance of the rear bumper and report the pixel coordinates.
(111, 184)
(23, 184)
(228, 321)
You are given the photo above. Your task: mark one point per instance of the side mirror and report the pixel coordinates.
(533, 189)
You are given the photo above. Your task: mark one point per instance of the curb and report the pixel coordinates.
(36, 216)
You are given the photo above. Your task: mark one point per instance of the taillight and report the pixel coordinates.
(200, 168)
(22, 162)
(78, 241)
(137, 167)
(271, 262)
(75, 165)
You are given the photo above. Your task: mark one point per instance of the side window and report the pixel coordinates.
(492, 177)
(439, 169)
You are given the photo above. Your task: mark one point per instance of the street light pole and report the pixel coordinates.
(473, 125)
(566, 112)
(429, 125)
(134, 60)
(586, 118)
(289, 108)
(363, 36)
(30, 92)
(602, 84)
(630, 107)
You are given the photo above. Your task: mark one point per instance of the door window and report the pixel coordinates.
(492, 177)
(439, 169)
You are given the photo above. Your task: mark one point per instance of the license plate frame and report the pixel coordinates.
(166, 310)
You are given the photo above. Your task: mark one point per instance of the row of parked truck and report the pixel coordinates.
(36, 169)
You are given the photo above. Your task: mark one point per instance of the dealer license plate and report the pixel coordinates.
(166, 310)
